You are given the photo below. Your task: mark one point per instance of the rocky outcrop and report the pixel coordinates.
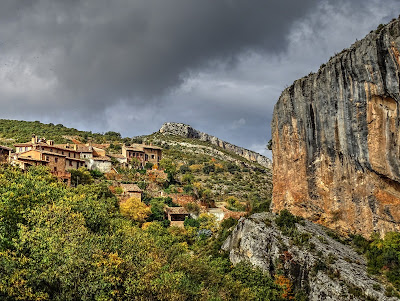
(336, 139)
(321, 267)
(186, 131)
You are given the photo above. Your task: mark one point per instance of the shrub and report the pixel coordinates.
(286, 222)
(148, 166)
(234, 204)
(207, 168)
(191, 222)
(188, 178)
(184, 169)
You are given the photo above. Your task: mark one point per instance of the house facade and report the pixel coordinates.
(144, 153)
(5, 153)
(102, 164)
(43, 152)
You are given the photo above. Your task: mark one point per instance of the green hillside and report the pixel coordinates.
(221, 174)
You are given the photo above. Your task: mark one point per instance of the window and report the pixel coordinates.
(74, 155)
(152, 156)
(70, 162)
(55, 168)
(62, 153)
(56, 160)
(47, 158)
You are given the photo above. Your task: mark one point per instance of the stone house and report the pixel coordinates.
(176, 215)
(144, 153)
(121, 159)
(43, 152)
(46, 145)
(102, 164)
(5, 153)
(85, 150)
(131, 190)
(59, 164)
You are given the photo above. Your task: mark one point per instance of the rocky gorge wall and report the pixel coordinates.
(336, 139)
(186, 131)
(314, 263)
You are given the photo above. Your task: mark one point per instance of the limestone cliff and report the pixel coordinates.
(336, 139)
(316, 264)
(187, 131)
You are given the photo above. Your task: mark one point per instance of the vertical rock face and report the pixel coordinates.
(336, 139)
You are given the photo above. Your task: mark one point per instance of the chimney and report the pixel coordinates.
(75, 147)
(50, 142)
(34, 139)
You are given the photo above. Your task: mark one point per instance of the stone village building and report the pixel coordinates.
(41, 152)
(5, 154)
(144, 153)
(62, 157)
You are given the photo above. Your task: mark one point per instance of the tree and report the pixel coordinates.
(81, 176)
(148, 165)
(168, 165)
(269, 145)
(135, 163)
(134, 209)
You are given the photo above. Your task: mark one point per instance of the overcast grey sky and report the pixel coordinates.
(130, 66)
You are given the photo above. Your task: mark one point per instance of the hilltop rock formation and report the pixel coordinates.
(336, 139)
(319, 266)
(187, 131)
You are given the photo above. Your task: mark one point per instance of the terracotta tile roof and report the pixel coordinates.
(102, 146)
(101, 158)
(135, 148)
(142, 147)
(45, 145)
(152, 147)
(49, 153)
(176, 210)
(6, 147)
(75, 159)
(79, 147)
(120, 156)
(22, 158)
(131, 188)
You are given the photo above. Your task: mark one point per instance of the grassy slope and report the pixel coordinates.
(248, 181)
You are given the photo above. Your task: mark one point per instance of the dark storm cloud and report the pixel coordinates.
(100, 51)
(129, 66)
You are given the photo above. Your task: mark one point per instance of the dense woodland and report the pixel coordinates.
(70, 243)
(60, 243)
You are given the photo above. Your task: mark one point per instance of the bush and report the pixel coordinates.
(96, 174)
(81, 176)
(286, 221)
(188, 178)
(262, 207)
(187, 188)
(234, 204)
(184, 169)
(191, 222)
(148, 166)
(207, 168)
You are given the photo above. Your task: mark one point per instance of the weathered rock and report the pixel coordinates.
(187, 131)
(320, 266)
(336, 139)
